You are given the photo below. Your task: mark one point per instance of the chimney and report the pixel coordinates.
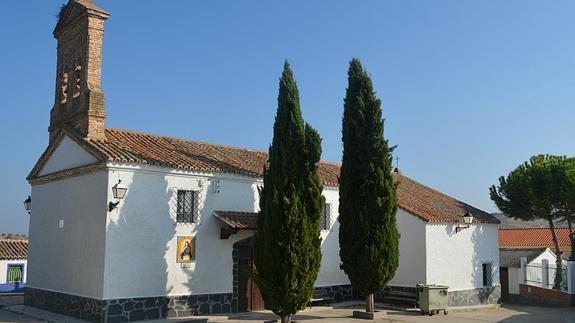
(79, 99)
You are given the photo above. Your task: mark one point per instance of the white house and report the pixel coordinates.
(13, 265)
(538, 270)
(177, 239)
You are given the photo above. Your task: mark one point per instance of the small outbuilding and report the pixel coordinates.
(13, 265)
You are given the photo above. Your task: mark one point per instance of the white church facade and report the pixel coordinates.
(128, 226)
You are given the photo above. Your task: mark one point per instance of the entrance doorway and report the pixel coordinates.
(249, 296)
(504, 276)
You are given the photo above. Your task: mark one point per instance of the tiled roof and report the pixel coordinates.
(512, 257)
(13, 249)
(135, 147)
(238, 220)
(433, 206)
(532, 238)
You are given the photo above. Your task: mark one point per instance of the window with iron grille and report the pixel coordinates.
(325, 220)
(15, 273)
(186, 206)
(487, 279)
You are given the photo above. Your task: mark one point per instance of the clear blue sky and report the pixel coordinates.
(470, 88)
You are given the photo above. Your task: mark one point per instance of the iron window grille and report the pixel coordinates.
(15, 273)
(325, 220)
(487, 274)
(187, 206)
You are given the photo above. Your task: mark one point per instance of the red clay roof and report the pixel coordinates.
(13, 249)
(135, 147)
(238, 220)
(532, 238)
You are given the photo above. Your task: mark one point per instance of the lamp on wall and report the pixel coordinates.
(28, 204)
(119, 191)
(467, 219)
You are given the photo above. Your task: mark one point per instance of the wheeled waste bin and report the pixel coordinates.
(432, 298)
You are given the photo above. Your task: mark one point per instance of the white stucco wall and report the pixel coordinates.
(330, 273)
(142, 233)
(68, 259)
(4, 269)
(412, 251)
(455, 259)
(546, 255)
(143, 229)
(67, 155)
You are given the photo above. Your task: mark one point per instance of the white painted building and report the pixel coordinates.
(179, 241)
(538, 262)
(13, 265)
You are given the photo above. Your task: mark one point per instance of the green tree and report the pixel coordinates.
(287, 244)
(569, 192)
(537, 189)
(368, 236)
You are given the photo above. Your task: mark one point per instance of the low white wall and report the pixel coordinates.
(4, 269)
(513, 274)
(455, 259)
(68, 259)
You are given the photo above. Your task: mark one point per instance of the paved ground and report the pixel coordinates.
(506, 314)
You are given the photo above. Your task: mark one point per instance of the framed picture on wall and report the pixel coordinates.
(186, 251)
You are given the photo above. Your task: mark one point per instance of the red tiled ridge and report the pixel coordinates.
(13, 249)
(136, 147)
(532, 237)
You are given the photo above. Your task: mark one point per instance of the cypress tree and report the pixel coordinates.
(368, 236)
(287, 243)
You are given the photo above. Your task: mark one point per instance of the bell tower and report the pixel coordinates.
(79, 99)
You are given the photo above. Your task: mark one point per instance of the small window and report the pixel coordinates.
(487, 279)
(15, 273)
(325, 221)
(186, 209)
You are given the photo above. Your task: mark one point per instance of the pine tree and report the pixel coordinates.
(287, 243)
(368, 236)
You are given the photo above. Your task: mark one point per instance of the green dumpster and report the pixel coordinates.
(432, 298)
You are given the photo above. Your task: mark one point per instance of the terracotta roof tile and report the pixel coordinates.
(13, 249)
(238, 220)
(135, 147)
(533, 238)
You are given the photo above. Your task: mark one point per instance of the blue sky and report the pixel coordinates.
(470, 89)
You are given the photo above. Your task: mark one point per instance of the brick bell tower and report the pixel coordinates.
(79, 100)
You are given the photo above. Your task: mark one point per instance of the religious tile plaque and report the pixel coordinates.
(186, 251)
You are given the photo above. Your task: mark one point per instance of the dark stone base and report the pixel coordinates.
(128, 309)
(380, 296)
(471, 297)
(340, 293)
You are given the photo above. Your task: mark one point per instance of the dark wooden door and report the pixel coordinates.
(250, 298)
(504, 277)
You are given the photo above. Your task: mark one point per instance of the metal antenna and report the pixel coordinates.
(397, 162)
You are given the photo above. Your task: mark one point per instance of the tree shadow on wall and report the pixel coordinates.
(139, 233)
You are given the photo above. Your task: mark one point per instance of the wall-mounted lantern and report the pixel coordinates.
(467, 219)
(28, 204)
(119, 191)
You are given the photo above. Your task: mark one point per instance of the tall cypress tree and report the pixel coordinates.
(287, 244)
(368, 236)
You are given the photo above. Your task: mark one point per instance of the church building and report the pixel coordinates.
(128, 226)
